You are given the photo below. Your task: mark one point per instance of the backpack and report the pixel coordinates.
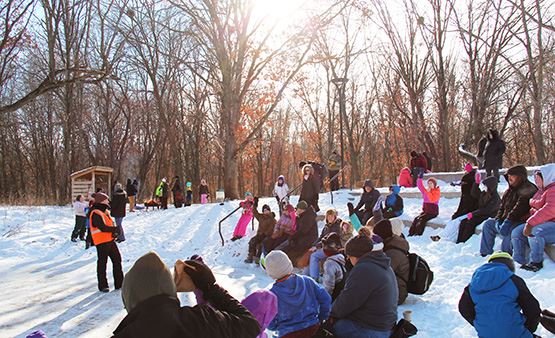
(341, 284)
(420, 275)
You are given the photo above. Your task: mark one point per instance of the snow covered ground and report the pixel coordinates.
(49, 283)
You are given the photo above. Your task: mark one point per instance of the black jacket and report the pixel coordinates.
(370, 295)
(306, 234)
(468, 202)
(493, 152)
(118, 203)
(309, 191)
(131, 188)
(161, 316)
(368, 200)
(515, 204)
(328, 229)
(488, 203)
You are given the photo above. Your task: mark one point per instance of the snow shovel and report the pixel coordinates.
(223, 219)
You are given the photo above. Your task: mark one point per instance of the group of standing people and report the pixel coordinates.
(182, 192)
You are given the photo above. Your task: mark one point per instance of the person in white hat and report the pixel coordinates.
(302, 303)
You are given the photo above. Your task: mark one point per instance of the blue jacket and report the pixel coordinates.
(393, 203)
(302, 303)
(493, 301)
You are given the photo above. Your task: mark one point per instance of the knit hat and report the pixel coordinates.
(502, 257)
(413, 153)
(148, 277)
(302, 205)
(266, 207)
(468, 167)
(358, 246)
(331, 243)
(383, 229)
(189, 184)
(100, 197)
(248, 193)
(368, 183)
(263, 305)
(278, 265)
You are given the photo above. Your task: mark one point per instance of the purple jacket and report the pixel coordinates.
(263, 305)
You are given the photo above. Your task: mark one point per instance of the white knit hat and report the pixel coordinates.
(278, 265)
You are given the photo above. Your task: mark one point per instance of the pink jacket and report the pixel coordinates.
(543, 203)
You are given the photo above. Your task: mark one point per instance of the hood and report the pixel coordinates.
(396, 242)
(376, 257)
(281, 177)
(489, 277)
(548, 174)
(518, 170)
(406, 170)
(263, 305)
(148, 277)
(338, 257)
(395, 189)
(294, 291)
(491, 183)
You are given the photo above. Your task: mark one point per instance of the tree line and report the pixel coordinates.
(213, 89)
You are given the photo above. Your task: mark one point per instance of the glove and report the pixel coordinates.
(351, 208)
(505, 227)
(469, 216)
(421, 174)
(478, 178)
(389, 209)
(201, 275)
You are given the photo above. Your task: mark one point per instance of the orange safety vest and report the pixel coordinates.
(99, 237)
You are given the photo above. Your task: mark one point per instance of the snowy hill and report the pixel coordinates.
(49, 283)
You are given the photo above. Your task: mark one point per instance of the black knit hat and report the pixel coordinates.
(518, 170)
(266, 207)
(358, 246)
(332, 240)
(383, 229)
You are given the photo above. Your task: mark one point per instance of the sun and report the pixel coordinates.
(281, 13)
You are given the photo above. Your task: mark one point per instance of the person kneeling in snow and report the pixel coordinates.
(302, 303)
(266, 223)
(150, 298)
(494, 299)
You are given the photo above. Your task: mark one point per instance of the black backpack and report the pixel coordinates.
(420, 275)
(341, 284)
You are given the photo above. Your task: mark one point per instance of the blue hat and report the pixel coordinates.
(248, 193)
(189, 184)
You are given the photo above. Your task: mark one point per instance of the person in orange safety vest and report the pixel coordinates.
(104, 232)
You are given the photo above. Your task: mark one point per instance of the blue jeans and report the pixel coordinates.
(345, 328)
(314, 267)
(542, 234)
(121, 236)
(490, 230)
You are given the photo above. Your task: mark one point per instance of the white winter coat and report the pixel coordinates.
(281, 192)
(79, 208)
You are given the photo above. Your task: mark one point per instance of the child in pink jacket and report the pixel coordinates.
(241, 227)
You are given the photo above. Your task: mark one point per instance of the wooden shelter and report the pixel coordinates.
(90, 179)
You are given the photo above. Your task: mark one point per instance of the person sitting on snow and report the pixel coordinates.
(430, 206)
(514, 210)
(367, 306)
(335, 272)
(284, 228)
(333, 224)
(405, 178)
(302, 303)
(397, 249)
(497, 302)
(305, 234)
(539, 229)
(368, 200)
(266, 223)
(468, 202)
(149, 295)
(347, 232)
(393, 206)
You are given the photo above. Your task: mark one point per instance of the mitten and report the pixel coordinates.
(469, 216)
(201, 275)
(421, 174)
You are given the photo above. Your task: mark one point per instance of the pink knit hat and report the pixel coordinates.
(468, 167)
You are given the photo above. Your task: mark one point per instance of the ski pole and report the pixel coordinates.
(220, 224)
(290, 192)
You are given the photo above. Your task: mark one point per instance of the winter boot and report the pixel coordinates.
(249, 259)
(105, 290)
(73, 239)
(435, 238)
(534, 267)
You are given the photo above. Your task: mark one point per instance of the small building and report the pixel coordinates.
(90, 179)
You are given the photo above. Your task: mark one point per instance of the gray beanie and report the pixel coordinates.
(278, 265)
(148, 277)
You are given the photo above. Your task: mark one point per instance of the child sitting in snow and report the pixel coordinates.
(334, 275)
(302, 303)
(430, 207)
(333, 224)
(246, 217)
(285, 227)
(347, 231)
(393, 206)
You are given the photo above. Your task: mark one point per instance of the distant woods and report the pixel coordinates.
(218, 89)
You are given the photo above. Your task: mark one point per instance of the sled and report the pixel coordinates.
(479, 161)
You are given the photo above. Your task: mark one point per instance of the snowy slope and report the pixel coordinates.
(49, 283)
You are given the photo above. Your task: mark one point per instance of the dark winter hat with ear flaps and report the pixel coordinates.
(148, 277)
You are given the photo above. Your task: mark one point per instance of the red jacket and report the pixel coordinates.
(419, 162)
